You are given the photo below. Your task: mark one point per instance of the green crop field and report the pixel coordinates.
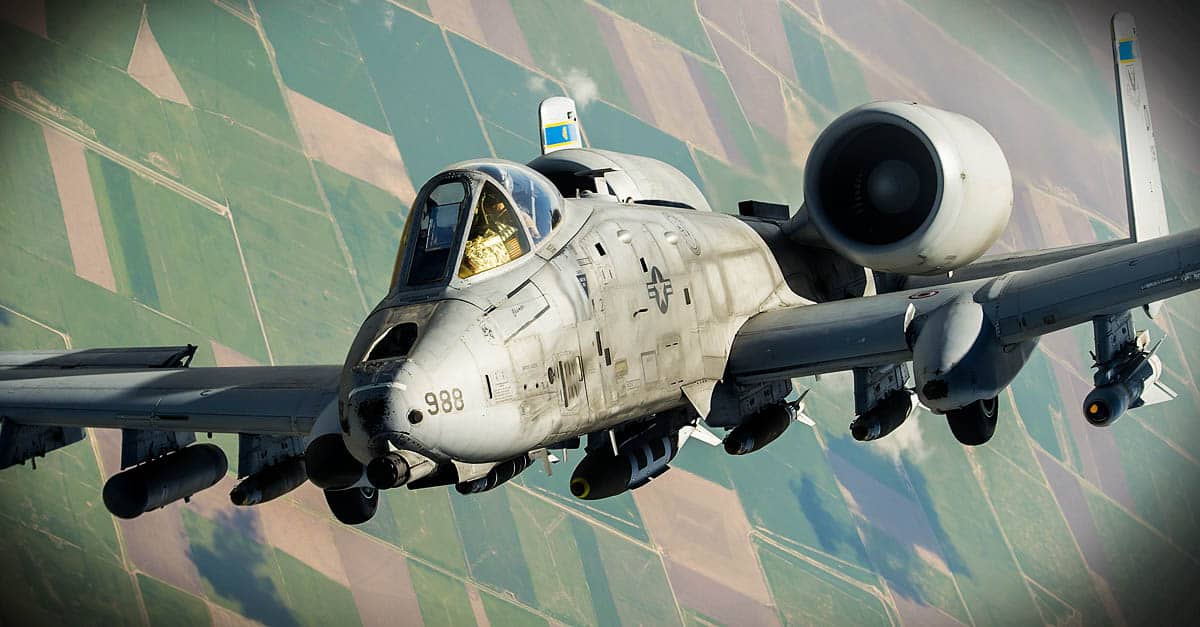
(805, 593)
(504, 614)
(637, 583)
(493, 543)
(421, 523)
(443, 600)
(166, 605)
(555, 565)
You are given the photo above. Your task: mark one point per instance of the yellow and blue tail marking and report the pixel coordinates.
(1125, 51)
(561, 134)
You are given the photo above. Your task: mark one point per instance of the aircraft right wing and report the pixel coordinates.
(159, 403)
(1018, 306)
(46, 397)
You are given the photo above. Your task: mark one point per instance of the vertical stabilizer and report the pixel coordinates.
(559, 124)
(1143, 183)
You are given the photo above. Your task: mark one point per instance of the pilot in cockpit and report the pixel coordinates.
(494, 238)
(516, 209)
(537, 208)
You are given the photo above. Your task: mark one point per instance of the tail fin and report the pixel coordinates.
(560, 124)
(1143, 183)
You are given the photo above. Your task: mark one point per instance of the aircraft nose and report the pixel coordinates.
(378, 416)
(374, 407)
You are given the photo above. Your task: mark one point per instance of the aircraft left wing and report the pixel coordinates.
(1016, 307)
(153, 389)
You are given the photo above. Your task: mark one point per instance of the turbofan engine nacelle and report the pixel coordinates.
(154, 484)
(906, 188)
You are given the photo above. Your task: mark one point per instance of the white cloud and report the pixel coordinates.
(906, 440)
(389, 16)
(833, 383)
(537, 84)
(581, 87)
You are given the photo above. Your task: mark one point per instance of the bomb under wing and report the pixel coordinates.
(269, 483)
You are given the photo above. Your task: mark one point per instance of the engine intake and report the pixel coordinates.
(906, 188)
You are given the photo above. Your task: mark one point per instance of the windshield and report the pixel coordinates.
(538, 202)
(399, 264)
(496, 234)
(489, 212)
(433, 249)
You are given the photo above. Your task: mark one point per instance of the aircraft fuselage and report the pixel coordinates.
(625, 306)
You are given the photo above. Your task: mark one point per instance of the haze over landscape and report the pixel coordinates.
(235, 173)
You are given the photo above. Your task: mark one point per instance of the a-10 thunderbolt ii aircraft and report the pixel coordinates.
(593, 298)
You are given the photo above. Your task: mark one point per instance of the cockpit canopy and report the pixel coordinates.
(539, 202)
(481, 214)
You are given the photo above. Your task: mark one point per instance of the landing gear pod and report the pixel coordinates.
(354, 506)
(173, 476)
(975, 423)
(329, 463)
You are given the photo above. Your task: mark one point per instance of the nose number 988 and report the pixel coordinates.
(444, 401)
